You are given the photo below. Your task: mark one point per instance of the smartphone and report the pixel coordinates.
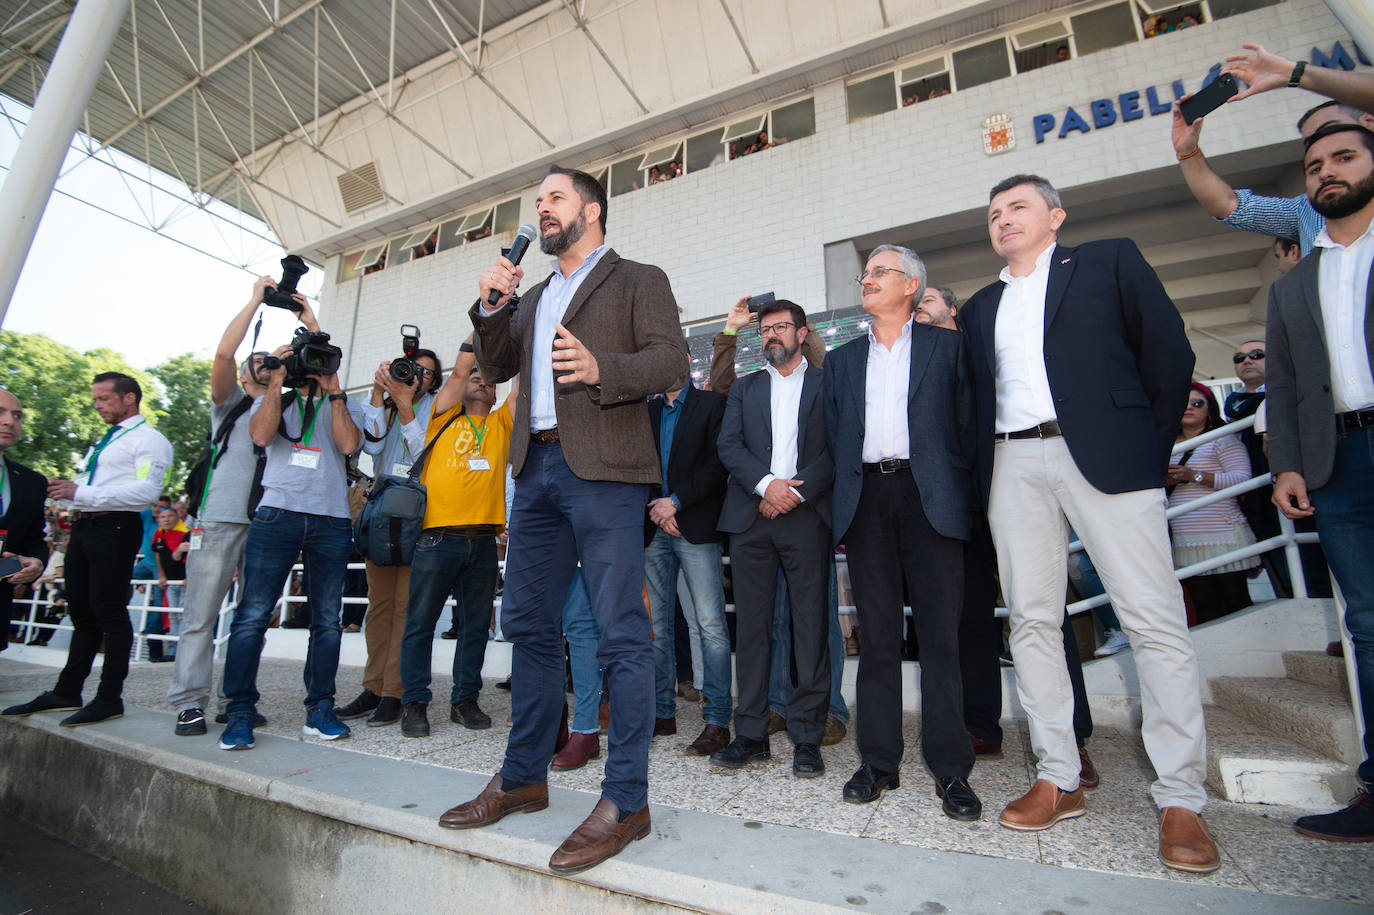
(760, 300)
(10, 565)
(1209, 98)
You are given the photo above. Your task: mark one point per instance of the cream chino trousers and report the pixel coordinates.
(1037, 492)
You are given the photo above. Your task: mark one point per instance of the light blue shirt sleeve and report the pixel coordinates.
(1277, 217)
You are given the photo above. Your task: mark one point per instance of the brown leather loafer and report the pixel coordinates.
(713, 737)
(1087, 775)
(776, 723)
(599, 837)
(665, 727)
(834, 731)
(577, 751)
(493, 803)
(985, 749)
(1184, 842)
(1041, 807)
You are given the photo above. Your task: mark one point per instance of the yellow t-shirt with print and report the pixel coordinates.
(459, 494)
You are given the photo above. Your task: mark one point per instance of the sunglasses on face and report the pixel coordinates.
(1197, 403)
(1255, 354)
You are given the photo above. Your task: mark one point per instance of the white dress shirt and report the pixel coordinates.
(887, 382)
(784, 400)
(129, 472)
(1342, 282)
(1023, 388)
(553, 302)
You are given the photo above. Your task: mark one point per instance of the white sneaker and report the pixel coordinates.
(1115, 641)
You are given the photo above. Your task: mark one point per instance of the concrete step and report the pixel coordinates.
(1308, 715)
(1248, 766)
(1319, 669)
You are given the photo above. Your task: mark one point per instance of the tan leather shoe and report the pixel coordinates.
(834, 731)
(577, 751)
(1087, 775)
(713, 737)
(493, 803)
(1041, 807)
(1184, 842)
(599, 837)
(985, 749)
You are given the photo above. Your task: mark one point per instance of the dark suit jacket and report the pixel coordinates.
(1297, 374)
(695, 474)
(24, 522)
(746, 447)
(940, 421)
(626, 315)
(1118, 361)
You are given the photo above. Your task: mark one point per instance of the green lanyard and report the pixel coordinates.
(476, 431)
(102, 445)
(309, 425)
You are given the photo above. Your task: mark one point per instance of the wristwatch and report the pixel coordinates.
(339, 396)
(1197, 476)
(1295, 79)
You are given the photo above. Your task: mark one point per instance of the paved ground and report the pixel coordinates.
(1260, 850)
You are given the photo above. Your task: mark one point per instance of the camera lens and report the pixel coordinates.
(403, 370)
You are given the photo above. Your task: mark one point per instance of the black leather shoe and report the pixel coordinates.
(94, 712)
(415, 720)
(807, 762)
(469, 715)
(258, 719)
(388, 711)
(365, 704)
(741, 752)
(960, 801)
(45, 702)
(868, 784)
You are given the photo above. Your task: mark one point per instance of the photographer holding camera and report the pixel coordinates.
(308, 433)
(394, 423)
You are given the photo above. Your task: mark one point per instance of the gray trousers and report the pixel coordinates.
(209, 571)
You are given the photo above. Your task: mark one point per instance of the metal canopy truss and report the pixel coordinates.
(263, 104)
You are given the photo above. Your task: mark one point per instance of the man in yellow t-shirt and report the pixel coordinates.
(465, 475)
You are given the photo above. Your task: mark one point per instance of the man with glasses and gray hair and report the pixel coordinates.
(1081, 368)
(899, 415)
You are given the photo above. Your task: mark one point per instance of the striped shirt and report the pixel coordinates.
(1277, 217)
(1227, 458)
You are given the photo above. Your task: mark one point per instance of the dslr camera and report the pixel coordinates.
(406, 370)
(311, 354)
(292, 269)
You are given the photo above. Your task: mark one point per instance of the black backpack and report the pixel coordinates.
(198, 480)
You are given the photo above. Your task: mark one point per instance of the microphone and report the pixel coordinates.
(523, 236)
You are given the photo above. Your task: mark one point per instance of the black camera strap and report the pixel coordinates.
(286, 401)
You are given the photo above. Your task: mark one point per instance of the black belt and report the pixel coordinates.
(1355, 419)
(545, 435)
(469, 531)
(1044, 430)
(888, 465)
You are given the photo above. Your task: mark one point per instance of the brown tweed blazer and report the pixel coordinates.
(625, 313)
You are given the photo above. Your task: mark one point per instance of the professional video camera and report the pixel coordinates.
(311, 354)
(292, 269)
(406, 370)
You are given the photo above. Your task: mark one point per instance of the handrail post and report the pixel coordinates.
(1292, 557)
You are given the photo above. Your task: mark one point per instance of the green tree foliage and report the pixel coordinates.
(53, 382)
(182, 403)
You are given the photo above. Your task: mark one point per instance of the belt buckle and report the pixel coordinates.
(889, 465)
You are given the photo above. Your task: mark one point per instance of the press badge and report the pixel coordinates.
(301, 456)
(197, 535)
(479, 463)
(399, 469)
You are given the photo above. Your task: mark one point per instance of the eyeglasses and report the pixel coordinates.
(1254, 354)
(878, 273)
(776, 330)
(1197, 403)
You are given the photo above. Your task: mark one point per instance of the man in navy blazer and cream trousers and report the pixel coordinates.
(1081, 370)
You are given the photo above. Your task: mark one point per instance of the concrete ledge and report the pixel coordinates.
(296, 826)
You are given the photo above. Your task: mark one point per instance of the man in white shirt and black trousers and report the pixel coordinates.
(122, 475)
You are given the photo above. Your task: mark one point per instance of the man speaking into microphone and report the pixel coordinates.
(591, 343)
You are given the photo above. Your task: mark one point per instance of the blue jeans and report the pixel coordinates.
(1087, 583)
(275, 538)
(700, 565)
(583, 635)
(557, 520)
(780, 674)
(446, 564)
(1345, 522)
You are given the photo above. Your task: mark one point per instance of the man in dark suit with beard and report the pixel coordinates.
(22, 492)
(899, 413)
